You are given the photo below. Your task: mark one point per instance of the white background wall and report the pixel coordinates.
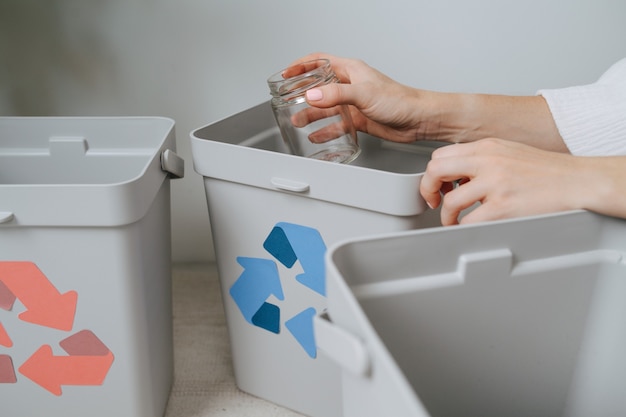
(201, 60)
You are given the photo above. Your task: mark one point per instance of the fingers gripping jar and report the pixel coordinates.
(326, 134)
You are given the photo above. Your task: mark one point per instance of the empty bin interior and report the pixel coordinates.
(539, 333)
(89, 151)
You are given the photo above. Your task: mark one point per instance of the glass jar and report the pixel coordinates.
(326, 134)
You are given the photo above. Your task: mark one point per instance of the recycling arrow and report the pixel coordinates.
(6, 297)
(258, 281)
(289, 242)
(45, 305)
(301, 327)
(7, 373)
(88, 363)
(5, 340)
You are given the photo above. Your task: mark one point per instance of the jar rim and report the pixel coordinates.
(302, 81)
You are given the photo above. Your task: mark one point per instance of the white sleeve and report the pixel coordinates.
(592, 118)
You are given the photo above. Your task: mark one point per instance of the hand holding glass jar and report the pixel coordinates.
(327, 134)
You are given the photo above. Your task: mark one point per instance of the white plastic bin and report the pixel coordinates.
(272, 216)
(513, 318)
(85, 277)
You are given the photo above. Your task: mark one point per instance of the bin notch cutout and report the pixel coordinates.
(493, 264)
(68, 146)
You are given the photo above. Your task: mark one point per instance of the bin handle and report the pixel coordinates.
(290, 185)
(347, 350)
(173, 164)
(6, 216)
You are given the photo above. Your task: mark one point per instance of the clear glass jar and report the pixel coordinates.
(326, 134)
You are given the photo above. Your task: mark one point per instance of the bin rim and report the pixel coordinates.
(103, 204)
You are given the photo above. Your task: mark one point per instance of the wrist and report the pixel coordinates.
(600, 185)
(445, 117)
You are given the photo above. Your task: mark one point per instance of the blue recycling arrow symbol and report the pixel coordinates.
(301, 327)
(258, 281)
(288, 243)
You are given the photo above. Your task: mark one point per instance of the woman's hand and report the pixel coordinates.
(510, 179)
(379, 105)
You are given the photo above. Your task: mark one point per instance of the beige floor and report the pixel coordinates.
(203, 377)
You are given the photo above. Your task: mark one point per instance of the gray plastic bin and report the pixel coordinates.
(272, 216)
(85, 277)
(513, 318)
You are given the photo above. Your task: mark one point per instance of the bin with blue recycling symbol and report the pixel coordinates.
(272, 217)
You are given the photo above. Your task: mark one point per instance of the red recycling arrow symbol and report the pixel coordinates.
(88, 363)
(5, 340)
(45, 305)
(89, 359)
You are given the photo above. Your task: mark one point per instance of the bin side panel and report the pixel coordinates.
(122, 278)
(275, 366)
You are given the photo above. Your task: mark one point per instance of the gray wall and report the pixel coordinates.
(201, 60)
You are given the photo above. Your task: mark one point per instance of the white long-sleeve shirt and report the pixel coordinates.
(592, 118)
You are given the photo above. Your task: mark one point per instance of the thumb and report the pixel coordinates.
(331, 95)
